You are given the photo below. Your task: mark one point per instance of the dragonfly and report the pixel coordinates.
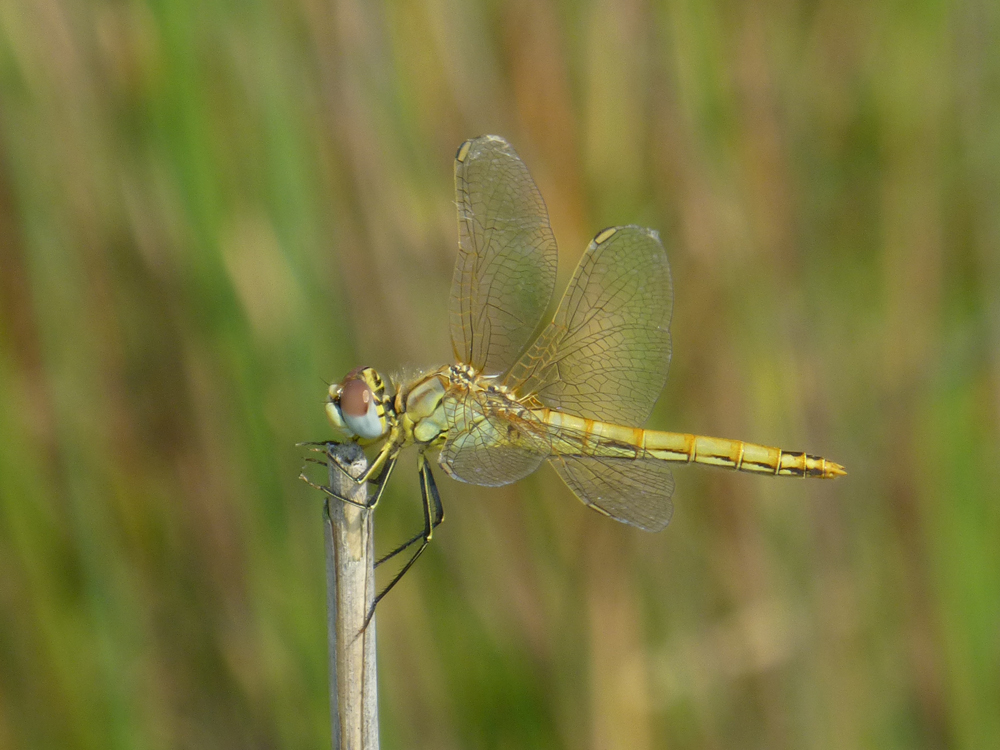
(574, 397)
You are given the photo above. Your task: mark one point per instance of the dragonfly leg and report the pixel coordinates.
(437, 515)
(330, 493)
(433, 516)
(380, 481)
(376, 466)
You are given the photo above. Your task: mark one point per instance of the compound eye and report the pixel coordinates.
(355, 398)
(359, 411)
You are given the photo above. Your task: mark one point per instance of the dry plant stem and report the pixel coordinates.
(350, 586)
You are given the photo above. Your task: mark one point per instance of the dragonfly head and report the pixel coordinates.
(356, 406)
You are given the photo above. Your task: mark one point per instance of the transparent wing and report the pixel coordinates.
(506, 266)
(494, 441)
(634, 491)
(491, 441)
(605, 354)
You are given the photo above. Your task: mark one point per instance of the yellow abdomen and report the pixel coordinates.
(591, 438)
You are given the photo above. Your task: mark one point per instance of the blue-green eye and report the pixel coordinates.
(358, 409)
(355, 398)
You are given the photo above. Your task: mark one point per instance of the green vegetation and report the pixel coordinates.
(206, 208)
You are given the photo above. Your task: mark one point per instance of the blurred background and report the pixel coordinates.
(210, 209)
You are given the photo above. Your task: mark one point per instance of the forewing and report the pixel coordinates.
(491, 442)
(506, 266)
(634, 491)
(605, 354)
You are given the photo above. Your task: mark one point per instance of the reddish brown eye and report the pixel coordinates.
(354, 398)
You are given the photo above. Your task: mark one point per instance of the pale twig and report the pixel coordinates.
(350, 585)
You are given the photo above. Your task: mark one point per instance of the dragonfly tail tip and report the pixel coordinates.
(834, 470)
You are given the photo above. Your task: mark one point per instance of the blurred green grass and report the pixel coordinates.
(208, 208)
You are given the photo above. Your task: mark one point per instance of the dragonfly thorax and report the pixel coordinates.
(420, 405)
(462, 375)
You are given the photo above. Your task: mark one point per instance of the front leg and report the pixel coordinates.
(388, 450)
(386, 462)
